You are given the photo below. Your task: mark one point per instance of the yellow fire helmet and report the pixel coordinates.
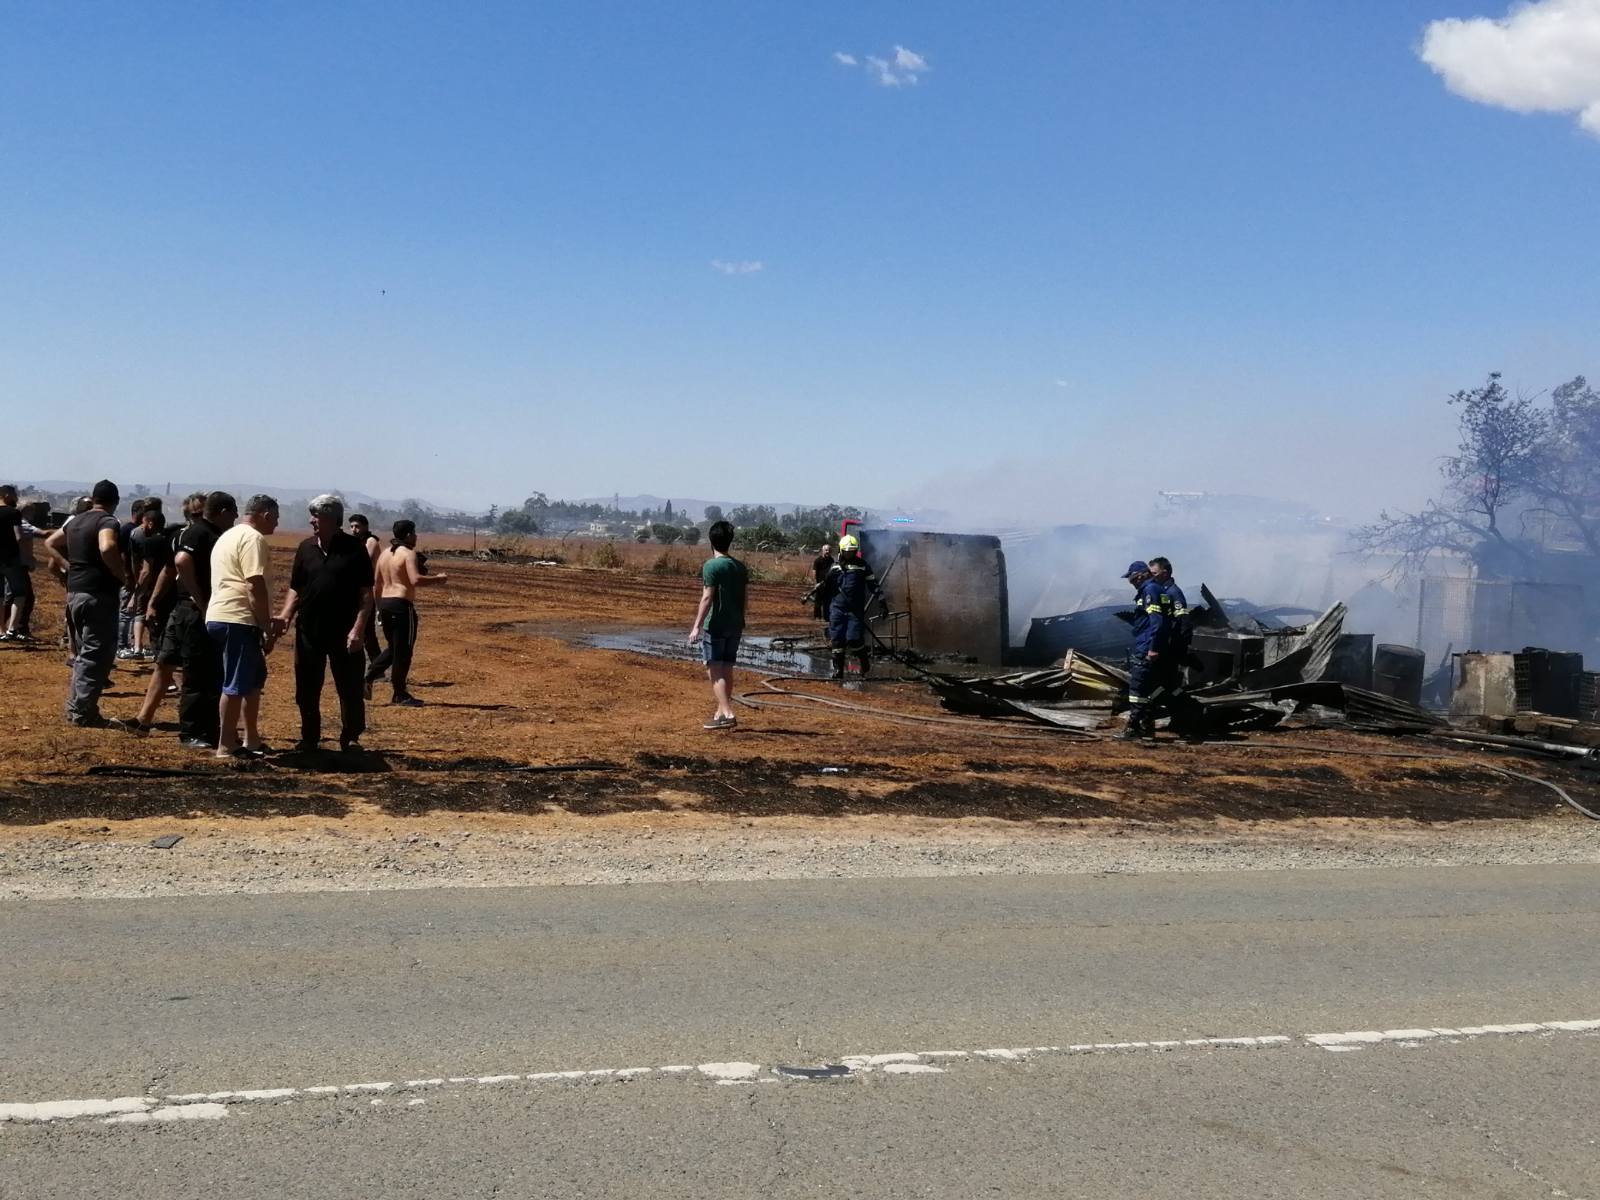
(849, 542)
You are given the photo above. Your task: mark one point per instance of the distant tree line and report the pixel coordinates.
(760, 526)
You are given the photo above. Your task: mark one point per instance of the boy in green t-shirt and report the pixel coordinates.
(719, 621)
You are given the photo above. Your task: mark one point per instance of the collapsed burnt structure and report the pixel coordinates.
(946, 606)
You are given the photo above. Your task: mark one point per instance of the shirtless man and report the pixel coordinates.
(399, 575)
(361, 529)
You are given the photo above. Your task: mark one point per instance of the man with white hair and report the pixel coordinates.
(329, 602)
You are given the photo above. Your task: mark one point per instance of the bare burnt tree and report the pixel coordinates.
(1565, 483)
(1489, 488)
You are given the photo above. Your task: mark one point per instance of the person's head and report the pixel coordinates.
(194, 505)
(849, 548)
(1138, 573)
(152, 502)
(81, 505)
(405, 533)
(105, 495)
(827, 549)
(221, 509)
(136, 509)
(8, 494)
(327, 514)
(261, 513)
(720, 535)
(1161, 567)
(359, 525)
(153, 520)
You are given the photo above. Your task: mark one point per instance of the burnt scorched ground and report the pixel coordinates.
(530, 728)
(654, 784)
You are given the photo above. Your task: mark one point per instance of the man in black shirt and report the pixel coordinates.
(330, 603)
(15, 566)
(820, 566)
(178, 607)
(125, 532)
(95, 573)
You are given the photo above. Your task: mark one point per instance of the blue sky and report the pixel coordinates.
(465, 251)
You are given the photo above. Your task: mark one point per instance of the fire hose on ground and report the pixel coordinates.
(770, 686)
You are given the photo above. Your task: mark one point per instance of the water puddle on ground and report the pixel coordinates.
(780, 655)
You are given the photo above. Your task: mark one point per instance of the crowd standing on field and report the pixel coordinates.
(199, 601)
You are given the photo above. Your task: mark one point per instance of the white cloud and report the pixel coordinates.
(905, 67)
(909, 60)
(1540, 57)
(740, 267)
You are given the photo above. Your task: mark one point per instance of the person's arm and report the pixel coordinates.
(261, 608)
(414, 575)
(111, 555)
(285, 617)
(55, 544)
(707, 595)
(183, 564)
(158, 592)
(358, 631)
(144, 583)
(1154, 604)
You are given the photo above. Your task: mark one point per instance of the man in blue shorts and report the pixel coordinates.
(240, 622)
(719, 621)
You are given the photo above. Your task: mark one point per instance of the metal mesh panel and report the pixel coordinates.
(1444, 616)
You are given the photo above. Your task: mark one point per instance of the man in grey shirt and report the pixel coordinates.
(96, 574)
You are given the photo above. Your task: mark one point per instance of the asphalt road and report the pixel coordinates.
(450, 999)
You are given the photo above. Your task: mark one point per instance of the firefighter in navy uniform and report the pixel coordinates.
(1182, 625)
(1152, 639)
(846, 591)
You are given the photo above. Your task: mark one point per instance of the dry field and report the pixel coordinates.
(526, 727)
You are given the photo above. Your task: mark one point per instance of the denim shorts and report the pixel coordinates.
(244, 662)
(720, 649)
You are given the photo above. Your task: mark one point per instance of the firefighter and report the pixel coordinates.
(1152, 635)
(1182, 625)
(846, 591)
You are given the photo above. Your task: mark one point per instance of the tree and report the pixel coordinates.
(691, 535)
(666, 534)
(766, 536)
(713, 513)
(1566, 479)
(748, 515)
(666, 513)
(516, 520)
(1490, 485)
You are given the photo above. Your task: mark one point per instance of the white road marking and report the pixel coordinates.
(172, 1112)
(192, 1106)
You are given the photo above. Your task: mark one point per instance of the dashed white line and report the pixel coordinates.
(193, 1106)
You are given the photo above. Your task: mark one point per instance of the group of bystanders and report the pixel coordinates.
(197, 600)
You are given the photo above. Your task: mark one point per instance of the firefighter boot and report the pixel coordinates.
(838, 664)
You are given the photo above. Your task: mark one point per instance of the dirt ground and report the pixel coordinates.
(525, 728)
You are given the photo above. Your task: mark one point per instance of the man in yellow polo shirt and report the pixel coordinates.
(239, 620)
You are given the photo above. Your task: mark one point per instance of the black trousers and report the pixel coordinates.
(312, 661)
(399, 621)
(18, 585)
(186, 640)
